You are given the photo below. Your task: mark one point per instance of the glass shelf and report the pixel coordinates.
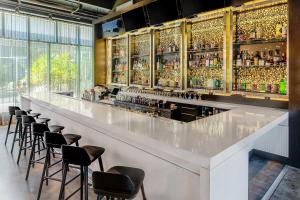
(252, 42)
(201, 51)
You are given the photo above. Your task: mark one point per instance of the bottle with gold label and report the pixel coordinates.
(278, 30)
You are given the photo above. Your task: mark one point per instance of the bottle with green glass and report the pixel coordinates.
(282, 87)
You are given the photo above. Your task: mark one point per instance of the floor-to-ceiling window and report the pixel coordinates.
(43, 55)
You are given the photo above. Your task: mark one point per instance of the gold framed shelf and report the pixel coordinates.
(140, 59)
(168, 56)
(260, 50)
(119, 60)
(205, 67)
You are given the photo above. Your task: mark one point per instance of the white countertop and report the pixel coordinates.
(203, 143)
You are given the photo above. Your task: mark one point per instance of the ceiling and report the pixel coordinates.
(76, 10)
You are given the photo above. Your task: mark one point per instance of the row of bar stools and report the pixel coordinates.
(38, 130)
(18, 129)
(27, 120)
(12, 113)
(55, 141)
(82, 157)
(119, 182)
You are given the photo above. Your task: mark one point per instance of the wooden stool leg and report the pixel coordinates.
(143, 192)
(86, 177)
(15, 135)
(31, 158)
(8, 129)
(101, 164)
(63, 182)
(21, 146)
(81, 182)
(43, 174)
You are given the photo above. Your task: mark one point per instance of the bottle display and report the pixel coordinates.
(119, 61)
(168, 66)
(140, 60)
(260, 50)
(205, 66)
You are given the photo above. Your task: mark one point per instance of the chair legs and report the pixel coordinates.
(8, 129)
(24, 138)
(45, 169)
(31, 158)
(143, 192)
(86, 187)
(18, 129)
(63, 181)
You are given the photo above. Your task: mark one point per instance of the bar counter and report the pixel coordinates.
(205, 159)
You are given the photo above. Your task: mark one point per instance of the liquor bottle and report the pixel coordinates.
(259, 32)
(256, 59)
(207, 61)
(276, 57)
(282, 87)
(239, 60)
(278, 30)
(252, 35)
(284, 31)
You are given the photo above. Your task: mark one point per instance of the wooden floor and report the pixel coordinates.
(12, 177)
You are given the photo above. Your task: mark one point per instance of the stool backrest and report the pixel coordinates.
(39, 129)
(75, 155)
(27, 120)
(118, 183)
(12, 109)
(55, 140)
(19, 113)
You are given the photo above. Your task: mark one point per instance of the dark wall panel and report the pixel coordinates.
(294, 82)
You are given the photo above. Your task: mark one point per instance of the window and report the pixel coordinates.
(63, 69)
(13, 67)
(39, 67)
(86, 68)
(43, 55)
(42, 29)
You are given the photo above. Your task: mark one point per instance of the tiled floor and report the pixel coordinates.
(289, 187)
(262, 173)
(12, 177)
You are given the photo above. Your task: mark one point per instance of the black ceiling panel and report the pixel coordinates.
(101, 3)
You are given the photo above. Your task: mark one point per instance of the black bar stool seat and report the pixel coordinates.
(56, 128)
(71, 138)
(83, 157)
(28, 111)
(36, 115)
(43, 120)
(119, 182)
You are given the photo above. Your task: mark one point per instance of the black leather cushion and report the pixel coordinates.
(19, 114)
(34, 114)
(119, 181)
(93, 152)
(81, 155)
(12, 109)
(27, 120)
(39, 129)
(55, 128)
(71, 138)
(42, 120)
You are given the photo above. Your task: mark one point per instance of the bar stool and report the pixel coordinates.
(83, 157)
(56, 140)
(27, 120)
(11, 111)
(38, 130)
(119, 182)
(19, 127)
